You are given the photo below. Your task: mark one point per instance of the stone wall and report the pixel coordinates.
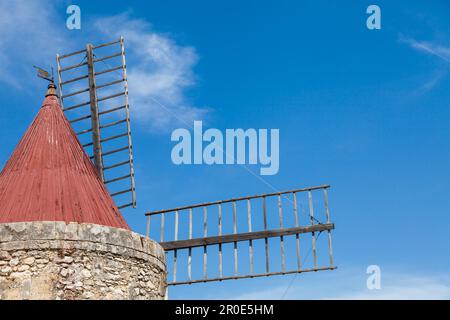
(55, 260)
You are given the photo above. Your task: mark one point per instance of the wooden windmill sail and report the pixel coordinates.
(94, 97)
(212, 241)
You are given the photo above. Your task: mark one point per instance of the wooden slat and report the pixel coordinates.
(220, 243)
(77, 106)
(327, 211)
(79, 119)
(84, 131)
(250, 242)
(114, 151)
(297, 238)
(121, 192)
(73, 80)
(125, 205)
(311, 215)
(58, 71)
(117, 179)
(74, 93)
(161, 232)
(190, 248)
(176, 225)
(108, 70)
(280, 212)
(237, 199)
(205, 248)
(112, 110)
(235, 242)
(266, 240)
(116, 165)
(109, 83)
(106, 44)
(118, 54)
(117, 136)
(175, 266)
(190, 264)
(73, 66)
(175, 251)
(61, 57)
(251, 276)
(111, 96)
(148, 227)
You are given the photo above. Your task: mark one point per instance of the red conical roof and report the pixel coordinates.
(49, 177)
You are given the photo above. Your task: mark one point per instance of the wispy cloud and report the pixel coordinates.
(160, 73)
(432, 82)
(432, 48)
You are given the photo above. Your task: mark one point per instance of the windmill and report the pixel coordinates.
(271, 227)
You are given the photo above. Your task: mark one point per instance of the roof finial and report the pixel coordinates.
(51, 91)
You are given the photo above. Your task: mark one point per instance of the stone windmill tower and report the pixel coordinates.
(61, 235)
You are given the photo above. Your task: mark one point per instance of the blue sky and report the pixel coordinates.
(363, 110)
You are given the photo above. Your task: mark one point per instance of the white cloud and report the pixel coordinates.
(159, 73)
(428, 47)
(159, 69)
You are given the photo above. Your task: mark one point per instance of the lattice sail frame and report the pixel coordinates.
(111, 153)
(188, 243)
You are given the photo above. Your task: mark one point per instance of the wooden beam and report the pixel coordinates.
(200, 242)
(95, 124)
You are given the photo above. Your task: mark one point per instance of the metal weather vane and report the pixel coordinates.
(44, 74)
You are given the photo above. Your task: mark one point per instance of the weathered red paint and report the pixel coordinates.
(49, 177)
